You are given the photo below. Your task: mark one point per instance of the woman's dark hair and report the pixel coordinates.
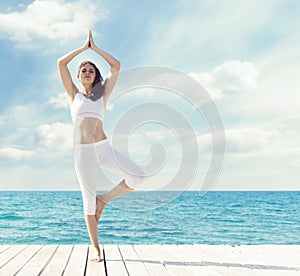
(97, 88)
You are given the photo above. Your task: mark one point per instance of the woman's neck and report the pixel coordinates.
(86, 89)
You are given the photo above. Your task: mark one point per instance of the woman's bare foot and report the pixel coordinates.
(100, 206)
(96, 259)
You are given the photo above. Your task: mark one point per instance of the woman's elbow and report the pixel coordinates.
(117, 65)
(115, 68)
(60, 62)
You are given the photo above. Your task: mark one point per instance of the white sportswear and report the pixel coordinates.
(87, 157)
(85, 107)
(101, 154)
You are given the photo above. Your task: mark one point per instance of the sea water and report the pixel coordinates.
(144, 217)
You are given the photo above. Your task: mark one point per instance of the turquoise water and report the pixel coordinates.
(154, 217)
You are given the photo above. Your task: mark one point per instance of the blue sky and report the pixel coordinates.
(245, 54)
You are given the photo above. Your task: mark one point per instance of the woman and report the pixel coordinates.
(91, 147)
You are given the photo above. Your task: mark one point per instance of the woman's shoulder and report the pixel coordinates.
(76, 95)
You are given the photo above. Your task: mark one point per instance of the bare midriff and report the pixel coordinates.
(88, 131)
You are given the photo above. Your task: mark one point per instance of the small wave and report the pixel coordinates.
(11, 217)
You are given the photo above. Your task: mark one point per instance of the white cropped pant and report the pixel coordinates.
(88, 157)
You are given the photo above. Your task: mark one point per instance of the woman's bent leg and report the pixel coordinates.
(116, 163)
(121, 189)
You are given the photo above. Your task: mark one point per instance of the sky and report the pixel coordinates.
(245, 54)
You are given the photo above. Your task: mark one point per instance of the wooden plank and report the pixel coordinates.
(269, 259)
(193, 260)
(270, 272)
(132, 261)
(292, 258)
(113, 260)
(151, 260)
(4, 247)
(220, 258)
(16, 264)
(77, 261)
(10, 253)
(248, 255)
(174, 264)
(38, 262)
(59, 261)
(274, 255)
(280, 257)
(245, 260)
(93, 269)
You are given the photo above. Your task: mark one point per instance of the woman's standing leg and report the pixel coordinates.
(92, 226)
(86, 170)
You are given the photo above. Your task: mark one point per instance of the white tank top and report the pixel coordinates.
(86, 108)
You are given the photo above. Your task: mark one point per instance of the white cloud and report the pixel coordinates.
(52, 20)
(21, 6)
(249, 140)
(20, 109)
(295, 164)
(235, 75)
(16, 116)
(20, 113)
(205, 142)
(15, 154)
(61, 101)
(243, 140)
(35, 177)
(276, 97)
(230, 76)
(56, 137)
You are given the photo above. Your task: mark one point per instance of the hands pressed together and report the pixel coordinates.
(90, 41)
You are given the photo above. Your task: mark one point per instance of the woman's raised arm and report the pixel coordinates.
(64, 72)
(115, 65)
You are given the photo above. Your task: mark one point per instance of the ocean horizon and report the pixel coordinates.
(154, 217)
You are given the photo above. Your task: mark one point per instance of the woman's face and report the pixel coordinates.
(87, 74)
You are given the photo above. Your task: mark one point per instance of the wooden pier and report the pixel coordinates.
(183, 260)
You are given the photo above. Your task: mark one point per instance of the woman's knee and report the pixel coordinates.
(135, 181)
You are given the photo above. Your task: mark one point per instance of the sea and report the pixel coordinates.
(154, 217)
